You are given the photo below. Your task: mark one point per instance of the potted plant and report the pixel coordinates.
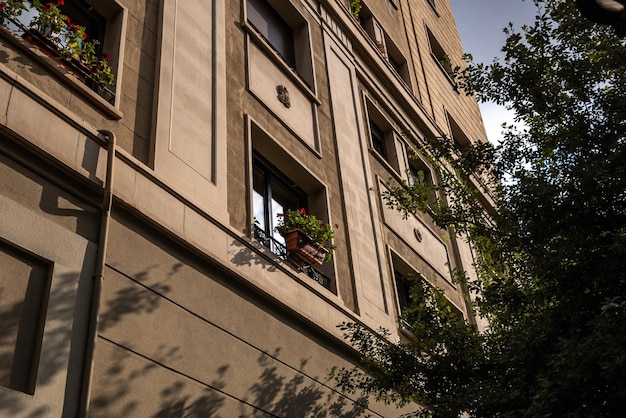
(54, 34)
(307, 238)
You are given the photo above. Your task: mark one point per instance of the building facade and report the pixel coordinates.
(140, 271)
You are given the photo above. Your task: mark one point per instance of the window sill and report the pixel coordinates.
(62, 74)
(280, 62)
(386, 164)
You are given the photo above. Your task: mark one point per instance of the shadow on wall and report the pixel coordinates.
(245, 256)
(272, 395)
(52, 360)
(133, 300)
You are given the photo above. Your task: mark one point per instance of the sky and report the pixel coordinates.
(480, 24)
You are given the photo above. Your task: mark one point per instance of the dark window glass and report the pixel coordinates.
(378, 139)
(81, 13)
(273, 28)
(403, 285)
(273, 196)
(415, 167)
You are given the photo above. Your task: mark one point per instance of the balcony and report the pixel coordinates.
(280, 250)
(49, 30)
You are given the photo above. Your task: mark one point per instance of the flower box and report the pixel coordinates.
(302, 250)
(49, 48)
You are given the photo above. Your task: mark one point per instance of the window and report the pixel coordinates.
(273, 28)
(378, 139)
(403, 287)
(273, 195)
(420, 171)
(397, 61)
(24, 286)
(384, 44)
(96, 67)
(280, 183)
(439, 54)
(286, 32)
(411, 284)
(382, 138)
(367, 22)
(461, 141)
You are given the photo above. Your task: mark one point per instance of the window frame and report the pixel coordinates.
(302, 67)
(439, 55)
(397, 61)
(271, 178)
(402, 271)
(392, 156)
(416, 162)
(266, 149)
(111, 40)
(385, 45)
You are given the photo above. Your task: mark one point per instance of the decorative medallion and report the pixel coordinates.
(418, 234)
(283, 96)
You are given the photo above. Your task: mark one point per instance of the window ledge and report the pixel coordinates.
(280, 62)
(61, 74)
(386, 164)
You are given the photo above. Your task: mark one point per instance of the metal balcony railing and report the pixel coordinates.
(280, 250)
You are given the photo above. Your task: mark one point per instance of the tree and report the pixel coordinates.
(552, 248)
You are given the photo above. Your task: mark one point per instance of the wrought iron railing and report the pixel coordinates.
(280, 250)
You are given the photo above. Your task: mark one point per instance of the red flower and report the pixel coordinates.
(303, 211)
(85, 35)
(3, 5)
(61, 3)
(106, 56)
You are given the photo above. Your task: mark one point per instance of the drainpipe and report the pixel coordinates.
(98, 277)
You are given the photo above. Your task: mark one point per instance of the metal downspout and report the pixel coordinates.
(98, 277)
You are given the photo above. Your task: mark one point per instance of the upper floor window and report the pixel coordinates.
(84, 39)
(285, 31)
(403, 288)
(461, 141)
(280, 184)
(273, 28)
(397, 60)
(419, 171)
(383, 138)
(384, 44)
(411, 287)
(440, 55)
(378, 139)
(273, 195)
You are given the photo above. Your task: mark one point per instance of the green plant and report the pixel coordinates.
(11, 9)
(49, 19)
(355, 8)
(70, 40)
(319, 232)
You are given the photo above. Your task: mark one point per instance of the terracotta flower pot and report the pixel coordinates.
(302, 250)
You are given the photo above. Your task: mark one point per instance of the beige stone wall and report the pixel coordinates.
(47, 232)
(197, 317)
(176, 334)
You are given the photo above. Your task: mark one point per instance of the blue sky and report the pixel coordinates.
(480, 24)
